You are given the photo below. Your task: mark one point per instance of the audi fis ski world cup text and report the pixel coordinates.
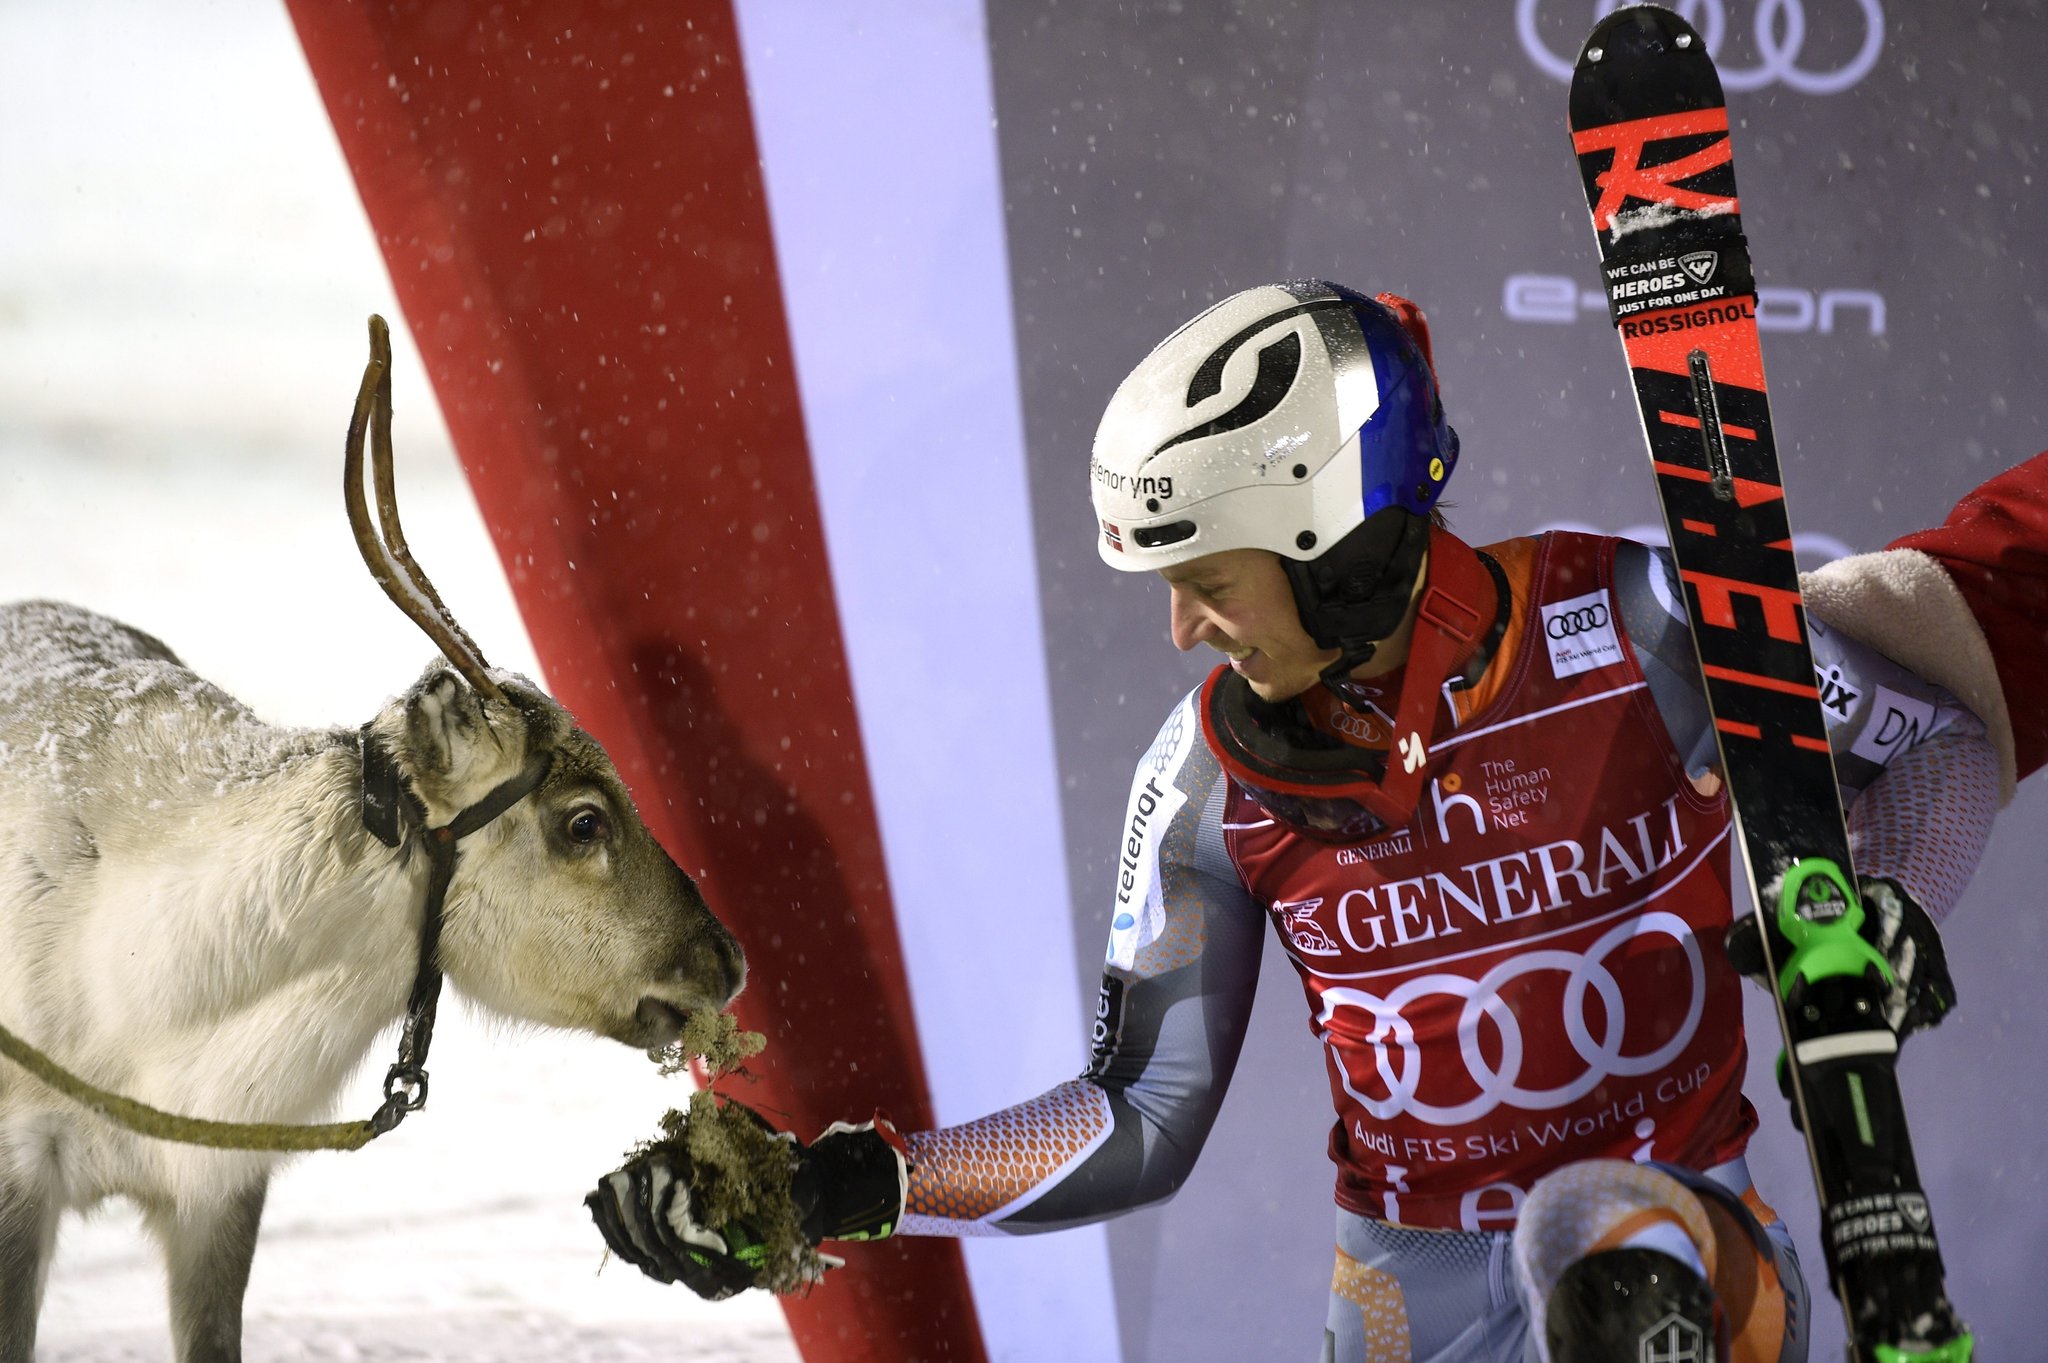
(1389, 1087)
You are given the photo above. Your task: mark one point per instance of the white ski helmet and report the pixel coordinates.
(1301, 418)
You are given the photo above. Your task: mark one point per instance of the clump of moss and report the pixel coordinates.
(739, 1170)
(716, 1039)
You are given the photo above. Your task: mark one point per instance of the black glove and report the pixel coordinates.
(849, 1184)
(646, 1215)
(1921, 992)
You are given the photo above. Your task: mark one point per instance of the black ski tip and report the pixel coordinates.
(1640, 61)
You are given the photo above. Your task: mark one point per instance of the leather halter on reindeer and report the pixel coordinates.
(390, 811)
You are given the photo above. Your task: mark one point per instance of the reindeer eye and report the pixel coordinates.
(587, 825)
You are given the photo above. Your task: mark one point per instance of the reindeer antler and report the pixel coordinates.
(389, 561)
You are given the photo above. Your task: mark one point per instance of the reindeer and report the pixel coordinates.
(203, 912)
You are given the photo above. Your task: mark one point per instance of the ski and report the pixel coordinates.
(1650, 127)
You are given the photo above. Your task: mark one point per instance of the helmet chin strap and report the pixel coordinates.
(1453, 613)
(1357, 593)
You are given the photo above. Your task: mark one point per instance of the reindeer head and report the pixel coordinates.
(564, 909)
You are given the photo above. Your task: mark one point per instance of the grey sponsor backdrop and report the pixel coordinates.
(1159, 155)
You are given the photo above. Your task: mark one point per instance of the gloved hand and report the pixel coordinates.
(849, 1184)
(1921, 992)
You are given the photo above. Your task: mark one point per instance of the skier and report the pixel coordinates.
(1474, 792)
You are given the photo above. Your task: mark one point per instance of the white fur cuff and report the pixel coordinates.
(1902, 603)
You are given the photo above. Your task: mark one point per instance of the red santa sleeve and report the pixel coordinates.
(1964, 604)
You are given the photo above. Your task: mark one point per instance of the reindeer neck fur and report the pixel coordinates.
(194, 915)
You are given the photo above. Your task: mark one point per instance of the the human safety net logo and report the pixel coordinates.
(1581, 634)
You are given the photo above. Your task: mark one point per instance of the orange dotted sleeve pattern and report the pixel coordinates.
(963, 1176)
(1925, 821)
(1182, 936)
(1382, 1310)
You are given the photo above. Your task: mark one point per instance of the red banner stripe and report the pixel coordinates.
(578, 235)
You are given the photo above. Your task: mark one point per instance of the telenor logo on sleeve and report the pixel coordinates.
(1138, 915)
(1581, 634)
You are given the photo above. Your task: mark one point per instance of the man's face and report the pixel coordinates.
(1238, 603)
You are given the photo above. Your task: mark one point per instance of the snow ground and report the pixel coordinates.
(184, 273)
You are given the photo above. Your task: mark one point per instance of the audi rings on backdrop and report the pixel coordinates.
(1399, 1061)
(1780, 50)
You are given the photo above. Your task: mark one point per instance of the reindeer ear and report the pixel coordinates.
(444, 725)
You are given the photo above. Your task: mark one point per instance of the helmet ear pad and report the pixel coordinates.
(1357, 592)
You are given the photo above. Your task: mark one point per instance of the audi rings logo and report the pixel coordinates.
(1397, 1061)
(1565, 624)
(1780, 30)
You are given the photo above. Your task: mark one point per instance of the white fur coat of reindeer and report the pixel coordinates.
(194, 915)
